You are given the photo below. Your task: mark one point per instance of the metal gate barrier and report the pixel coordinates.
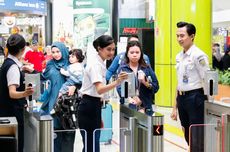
(218, 113)
(38, 136)
(144, 133)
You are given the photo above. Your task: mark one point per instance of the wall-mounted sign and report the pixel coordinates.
(33, 21)
(33, 6)
(9, 21)
(130, 30)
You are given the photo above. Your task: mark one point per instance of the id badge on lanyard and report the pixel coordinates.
(185, 75)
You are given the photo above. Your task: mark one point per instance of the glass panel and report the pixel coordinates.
(225, 132)
(71, 140)
(210, 133)
(108, 139)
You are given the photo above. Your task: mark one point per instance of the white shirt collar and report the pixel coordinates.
(190, 50)
(100, 60)
(15, 60)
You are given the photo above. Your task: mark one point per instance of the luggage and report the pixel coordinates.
(106, 133)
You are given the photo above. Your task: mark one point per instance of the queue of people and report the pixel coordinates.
(65, 72)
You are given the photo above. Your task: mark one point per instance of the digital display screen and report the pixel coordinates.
(158, 130)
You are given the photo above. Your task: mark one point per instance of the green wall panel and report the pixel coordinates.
(135, 23)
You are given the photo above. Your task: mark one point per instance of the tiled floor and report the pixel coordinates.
(172, 142)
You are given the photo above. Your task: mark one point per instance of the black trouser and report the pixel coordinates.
(89, 117)
(191, 111)
(64, 141)
(18, 113)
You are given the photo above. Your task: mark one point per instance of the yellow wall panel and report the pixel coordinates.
(168, 13)
(163, 96)
(162, 30)
(197, 12)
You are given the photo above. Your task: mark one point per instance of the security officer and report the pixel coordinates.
(191, 64)
(13, 92)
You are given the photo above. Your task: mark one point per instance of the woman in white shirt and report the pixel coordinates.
(93, 88)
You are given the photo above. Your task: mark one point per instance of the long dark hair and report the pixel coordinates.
(141, 60)
(102, 42)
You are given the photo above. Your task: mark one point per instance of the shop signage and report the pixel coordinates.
(130, 30)
(83, 4)
(34, 6)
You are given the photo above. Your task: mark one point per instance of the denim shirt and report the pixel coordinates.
(145, 93)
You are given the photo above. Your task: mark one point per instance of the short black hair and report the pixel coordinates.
(131, 36)
(191, 29)
(15, 43)
(27, 43)
(216, 44)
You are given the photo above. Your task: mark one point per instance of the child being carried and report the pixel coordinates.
(74, 72)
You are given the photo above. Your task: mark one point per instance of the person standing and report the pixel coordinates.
(13, 91)
(226, 59)
(191, 64)
(65, 140)
(35, 57)
(147, 84)
(119, 59)
(216, 57)
(92, 90)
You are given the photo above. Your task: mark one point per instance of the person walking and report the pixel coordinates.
(191, 64)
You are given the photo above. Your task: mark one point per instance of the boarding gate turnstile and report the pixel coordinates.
(144, 133)
(38, 134)
(218, 114)
(217, 117)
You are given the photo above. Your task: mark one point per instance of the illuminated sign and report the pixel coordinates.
(130, 30)
(158, 130)
(34, 6)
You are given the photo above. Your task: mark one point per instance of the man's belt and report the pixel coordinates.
(183, 93)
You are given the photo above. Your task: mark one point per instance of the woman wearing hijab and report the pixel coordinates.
(13, 92)
(64, 140)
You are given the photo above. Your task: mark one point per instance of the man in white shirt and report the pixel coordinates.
(191, 64)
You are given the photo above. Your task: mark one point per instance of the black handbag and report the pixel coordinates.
(66, 110)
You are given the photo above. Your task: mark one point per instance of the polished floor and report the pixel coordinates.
(173, 136)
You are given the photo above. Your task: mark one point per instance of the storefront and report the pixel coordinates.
(26, 17)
